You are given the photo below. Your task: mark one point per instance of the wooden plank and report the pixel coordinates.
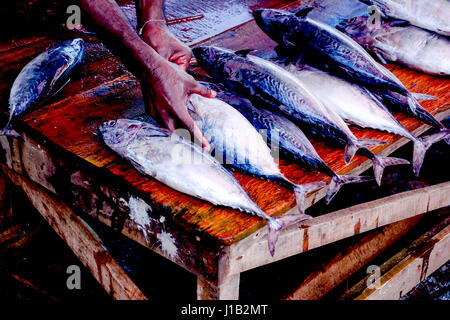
(228, 290)
(353, 258)
(83, 241)
(422, 258)
(252, 251)
(71, 123)
(114, 203)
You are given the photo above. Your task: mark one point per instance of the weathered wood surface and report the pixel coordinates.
(411, 266)
(104, 91)
(81, 239)
(252, 251)
(71, 123)
(350, 260)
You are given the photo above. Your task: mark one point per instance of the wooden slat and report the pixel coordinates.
(353, 258)
(71, 124)
(80, 238)
(424, 257)
(252, 251)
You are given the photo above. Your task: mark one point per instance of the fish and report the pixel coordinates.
(396, 102)
(184, 167)
(328, 48)
(282, 132)
(41, 77)
(408, 45)
(432, 15)
(357, 105)
(251, 75)
(240, 145)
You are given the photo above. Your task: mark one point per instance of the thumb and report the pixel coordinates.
(193, 128)
(203, 91)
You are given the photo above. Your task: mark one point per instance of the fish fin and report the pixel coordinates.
(303, 12)
(447, 140)
(302, 190)
(279, 223)
(244, 52)
(9, 132)
(338, 181)
(379, 163)
(288, 44)
(423, 96)
(412, 103)
(353, 146)
(422, 144)
(399, 23)
(380, 57)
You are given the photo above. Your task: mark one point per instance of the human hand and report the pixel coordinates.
(166, 88)
(159, 37)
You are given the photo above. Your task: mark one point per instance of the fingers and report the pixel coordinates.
(169, 122)
(203, 91)
(193, 128)
(181, 58)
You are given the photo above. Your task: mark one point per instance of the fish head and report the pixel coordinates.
(119, 133)
(218, 62)
(358, 28)
(276, 23)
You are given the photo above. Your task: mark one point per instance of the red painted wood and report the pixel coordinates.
(106, 91)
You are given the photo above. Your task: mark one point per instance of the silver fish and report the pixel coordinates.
(253, 75)
(40, 77)
(183, 166)
(411, 46)
(290, 138)
(432, 15)
(358, 106)
(234, 138)
(330, 48)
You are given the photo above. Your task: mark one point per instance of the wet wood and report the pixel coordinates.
(62, 154)
(350, 260)
(252, 251)
(424, 256)
(80, 238)
(71, 123)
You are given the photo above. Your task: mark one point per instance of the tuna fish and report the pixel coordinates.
(183, 166)
(396, 102)
(392, 41)
(41, 77)
(236, 141)
(329, 47)
(432, 15)
(252, 75)
(280, 131)
(358, 106)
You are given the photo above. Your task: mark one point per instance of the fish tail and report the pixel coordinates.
(276, 224)
(302, 190)
(338, 181)
(9, 132)
(353, 146)
(447, 140)
(380, 163)
(422, 144)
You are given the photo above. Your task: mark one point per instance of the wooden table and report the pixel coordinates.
(66, 171)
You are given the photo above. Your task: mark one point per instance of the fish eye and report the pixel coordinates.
(112, 123)
(351, 19)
